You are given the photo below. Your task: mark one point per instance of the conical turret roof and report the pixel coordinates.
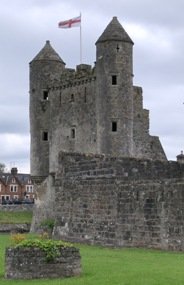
(114, 32)
(48, 53)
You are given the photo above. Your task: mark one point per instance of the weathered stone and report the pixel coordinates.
(144, 208)
(14, 228)
(17, 208)
(30, 263)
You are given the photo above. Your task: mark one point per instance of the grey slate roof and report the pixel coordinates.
(21, 178)
(114, 32)
(48, 53)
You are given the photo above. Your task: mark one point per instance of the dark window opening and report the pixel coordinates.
(45, 136)
(137, 196)
(114, 79)
(85, 95)
(151, 145)
(72, 98)
(45, 95)
(114, 126)
(117, 48)
(73, 133)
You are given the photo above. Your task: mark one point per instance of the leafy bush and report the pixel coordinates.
(50, 247)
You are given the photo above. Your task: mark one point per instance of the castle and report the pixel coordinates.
(90, 109)
(100, 174)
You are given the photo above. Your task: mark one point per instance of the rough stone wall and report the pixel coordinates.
(120, 202)
(44, 206)
(17, 208)
(73, 124)
(14, 228)
(30, 263)
(145, 145)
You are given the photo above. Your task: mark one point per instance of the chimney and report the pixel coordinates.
(180, 158)
(14, 170)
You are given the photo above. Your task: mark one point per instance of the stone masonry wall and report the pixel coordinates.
(17, 208)
(30, 263)
(44, 207)
(120, 202)
(14, 228)
(73, 110)
(145, 146)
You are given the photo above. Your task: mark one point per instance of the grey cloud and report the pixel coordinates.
(14, 119)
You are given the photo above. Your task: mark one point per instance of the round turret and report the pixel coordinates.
(114, 91)
(45, 69)
(114, 32)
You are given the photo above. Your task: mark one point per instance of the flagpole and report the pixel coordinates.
(80, 41)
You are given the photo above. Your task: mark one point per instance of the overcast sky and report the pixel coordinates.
(157, 29)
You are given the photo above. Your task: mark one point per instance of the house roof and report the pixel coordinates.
(21, 178)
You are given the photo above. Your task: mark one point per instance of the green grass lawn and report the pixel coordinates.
(15, 217)
(102, 266)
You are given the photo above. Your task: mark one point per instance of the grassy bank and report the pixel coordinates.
(102, 266)
(15, 217)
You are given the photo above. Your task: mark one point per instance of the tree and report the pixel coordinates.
(2, 167)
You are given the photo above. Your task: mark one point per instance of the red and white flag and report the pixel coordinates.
(74, 22)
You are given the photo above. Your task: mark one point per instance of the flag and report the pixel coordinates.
(74, 22)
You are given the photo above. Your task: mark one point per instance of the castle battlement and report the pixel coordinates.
(74, 82)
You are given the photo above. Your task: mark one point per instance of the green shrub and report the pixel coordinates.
(50, 247)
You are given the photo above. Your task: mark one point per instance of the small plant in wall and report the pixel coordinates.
(47, 226)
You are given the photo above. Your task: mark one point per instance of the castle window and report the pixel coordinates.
(114, 126)
(73, 133)
(114, 79)
(117, 48)
(45, 95)
(72, 98)
(45, 136)
(85, 95)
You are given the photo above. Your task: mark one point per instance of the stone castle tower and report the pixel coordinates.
(91, 109)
